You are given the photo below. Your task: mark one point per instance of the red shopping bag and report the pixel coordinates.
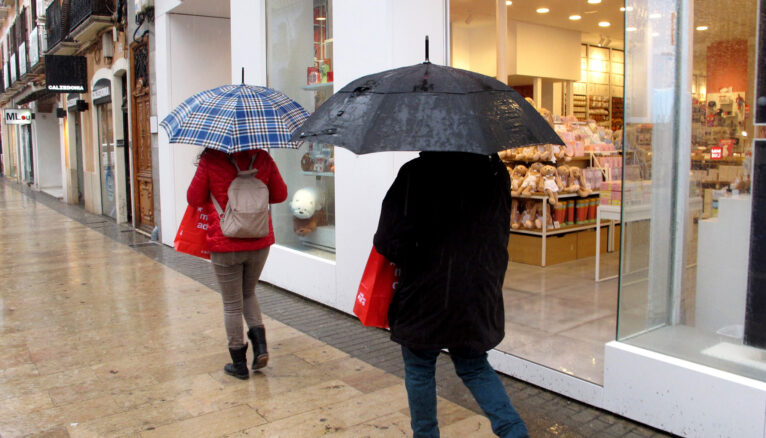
(192, 233)
(376, 290)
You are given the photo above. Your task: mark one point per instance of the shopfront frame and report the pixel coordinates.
(638, 383)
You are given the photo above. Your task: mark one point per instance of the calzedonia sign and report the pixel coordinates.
(66, 74)
(18, 116)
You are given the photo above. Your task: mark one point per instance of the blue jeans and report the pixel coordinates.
(476, 373)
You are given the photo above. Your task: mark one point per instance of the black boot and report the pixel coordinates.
(257, 337)
(238, 368)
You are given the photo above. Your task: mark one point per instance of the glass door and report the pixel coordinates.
(25, 141)
(80, 162)
(107, 157)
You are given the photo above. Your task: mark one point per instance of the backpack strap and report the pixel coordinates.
(216, 205)
(249, 171)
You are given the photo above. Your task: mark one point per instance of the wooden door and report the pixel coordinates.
(143, 186)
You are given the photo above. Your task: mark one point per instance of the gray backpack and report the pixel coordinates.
(247, 212)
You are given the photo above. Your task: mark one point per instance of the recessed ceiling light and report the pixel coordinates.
(622, 9)
(508, 2)
(543, 10)
(631, 29)
(594, 2)
(701, 28)
(629, 8)
(604, 24)
(575, 17)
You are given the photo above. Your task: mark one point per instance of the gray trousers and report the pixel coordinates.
(238, 273)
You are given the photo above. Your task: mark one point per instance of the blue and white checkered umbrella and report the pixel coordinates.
(235, 118)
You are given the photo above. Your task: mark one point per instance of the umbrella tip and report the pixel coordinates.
(427, 60)
(243, 75)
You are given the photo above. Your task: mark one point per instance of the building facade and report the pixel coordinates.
(655, 110)
(84, 75)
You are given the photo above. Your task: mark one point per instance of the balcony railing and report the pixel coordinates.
(82, 9)
(54, 24)
(79, 12)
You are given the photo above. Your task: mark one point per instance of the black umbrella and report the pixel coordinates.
(427, 107)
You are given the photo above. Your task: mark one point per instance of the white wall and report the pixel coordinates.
(545, 51)
(193, 54)
(45, 131)
(682, 397)
(474, 47)
(369, 37)
(248, 41)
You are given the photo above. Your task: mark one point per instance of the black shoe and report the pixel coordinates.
(257, 337)
(238, 368)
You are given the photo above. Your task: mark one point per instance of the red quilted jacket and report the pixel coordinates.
(214, 174)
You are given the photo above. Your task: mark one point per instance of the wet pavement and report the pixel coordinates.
(105, 333)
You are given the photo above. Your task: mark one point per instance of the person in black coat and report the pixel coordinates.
(445, 222)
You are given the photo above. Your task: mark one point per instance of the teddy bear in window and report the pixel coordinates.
(550, 184)
(577, 183)
(517, 178)
(307, 207)
(531, 181)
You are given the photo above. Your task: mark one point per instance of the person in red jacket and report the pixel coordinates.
(237, 262)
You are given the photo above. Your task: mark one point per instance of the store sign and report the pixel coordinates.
(66, 74)
(72, 102)
(18, 116)
(716, 153)
(101, 93)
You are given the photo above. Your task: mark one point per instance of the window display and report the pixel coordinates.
(299, 56)
(688, 299)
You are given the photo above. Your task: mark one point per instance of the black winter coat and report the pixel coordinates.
(445, 222)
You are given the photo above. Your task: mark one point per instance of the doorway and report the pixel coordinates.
(25, 142)
(567, 58)
(143, 186)
(106, 147)
(79, 158)
(125, 147)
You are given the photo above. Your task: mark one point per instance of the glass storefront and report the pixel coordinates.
(686, 187)
(561, 287)
(299, 60)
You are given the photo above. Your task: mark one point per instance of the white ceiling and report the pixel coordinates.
(205, 8)
(560, 10)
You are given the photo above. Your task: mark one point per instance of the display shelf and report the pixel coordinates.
(318, 86)
(545, 232)
(310, 173)
(545, 197)
(562, 230)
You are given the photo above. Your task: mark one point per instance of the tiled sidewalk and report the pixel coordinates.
(98, 340)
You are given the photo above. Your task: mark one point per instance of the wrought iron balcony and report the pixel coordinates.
(54, 24)
(76, 20)
(81, 10)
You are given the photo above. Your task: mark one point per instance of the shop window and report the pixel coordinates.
(299, 58)
(560, 290)
(686, 189)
